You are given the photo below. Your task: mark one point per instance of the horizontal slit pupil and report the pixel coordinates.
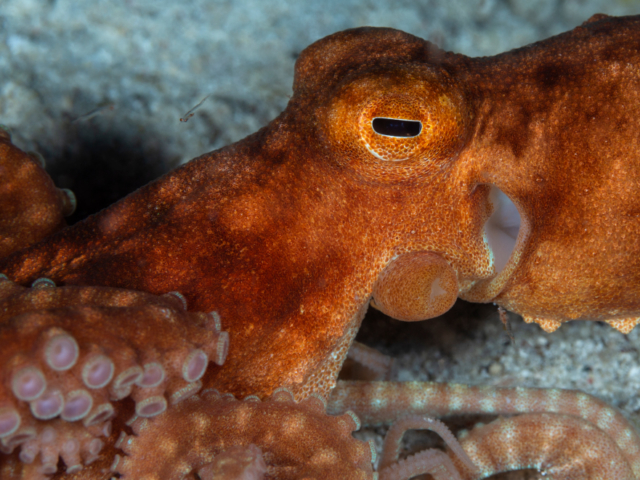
(396, 127)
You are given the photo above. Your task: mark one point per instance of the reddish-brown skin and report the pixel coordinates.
(559, 135)
(286, 232)
(31, 205)
(133, 330)
(299, 440)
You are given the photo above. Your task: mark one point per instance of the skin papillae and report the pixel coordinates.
(286, 232)
(32, 207)
(289, 233)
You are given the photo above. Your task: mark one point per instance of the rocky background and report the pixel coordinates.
(98, 87)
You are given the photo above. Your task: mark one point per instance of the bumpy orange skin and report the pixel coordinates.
(559, 446)
(286, 232)
(558, 133)
(298, 440)
(32, 207)
(416, 286)
(271, 232)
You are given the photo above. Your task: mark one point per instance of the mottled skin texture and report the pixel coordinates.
(559, 446)
(272, 232)
(31, 205)
(299, 439)
(302, 216)
(416, 286)
(560, 138)
(287, 232)
(588, 421)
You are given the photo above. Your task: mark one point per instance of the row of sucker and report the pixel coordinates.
(73, 352)
(285, 439)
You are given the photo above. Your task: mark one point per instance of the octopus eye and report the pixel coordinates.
(396, 127)
(412, 114)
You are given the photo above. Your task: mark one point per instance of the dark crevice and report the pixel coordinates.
(102, 165)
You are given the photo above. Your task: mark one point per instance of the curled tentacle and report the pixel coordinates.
(416, 422)
(71, 355)
(298, 440)
(366, 363)
(559, 446)
(432, 461)
(379, 402)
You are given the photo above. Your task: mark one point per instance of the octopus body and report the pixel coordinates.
(398, 175)
(389, 147)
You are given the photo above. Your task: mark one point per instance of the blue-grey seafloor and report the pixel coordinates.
(140, 65)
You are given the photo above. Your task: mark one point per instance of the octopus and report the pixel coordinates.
(399, 175)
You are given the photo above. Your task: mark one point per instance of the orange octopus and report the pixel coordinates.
(399, 175)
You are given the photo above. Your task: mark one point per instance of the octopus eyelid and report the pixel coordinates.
(396, 127)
